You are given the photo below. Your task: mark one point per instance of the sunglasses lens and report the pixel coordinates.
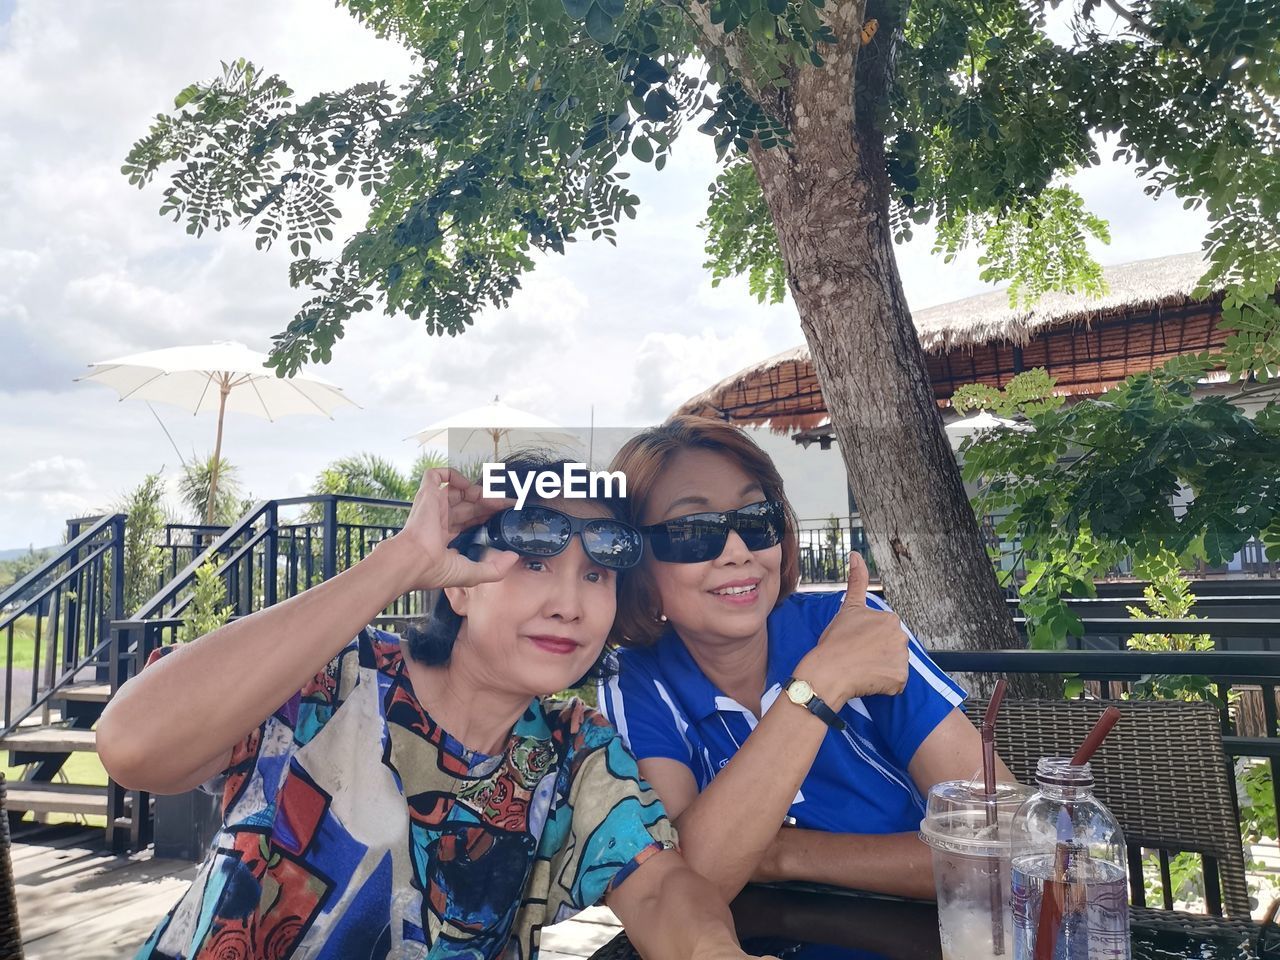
(536, 531)
(690, 539)
(612, 544)
(760, 525)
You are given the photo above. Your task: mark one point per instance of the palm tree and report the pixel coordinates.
(369, 475)
(196, 482)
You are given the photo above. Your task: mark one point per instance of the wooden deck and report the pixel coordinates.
(77, 900)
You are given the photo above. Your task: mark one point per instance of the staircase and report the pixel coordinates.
(84, 646)
(60, 615)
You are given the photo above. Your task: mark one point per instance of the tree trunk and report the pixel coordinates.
(829, 198)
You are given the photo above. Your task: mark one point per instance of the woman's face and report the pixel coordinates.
(541, 627)
(730, 597)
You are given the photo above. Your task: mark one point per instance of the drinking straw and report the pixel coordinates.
(1094, 740)
(988, 731)
(1056, 891)
(1051, 903)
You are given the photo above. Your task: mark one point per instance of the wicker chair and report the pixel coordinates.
(10, 939)
(1162, 772)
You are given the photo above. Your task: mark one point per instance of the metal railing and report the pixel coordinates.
(280, 548)
(825, 546)
(59, 617)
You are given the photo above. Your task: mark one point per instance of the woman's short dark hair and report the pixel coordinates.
(430, 639)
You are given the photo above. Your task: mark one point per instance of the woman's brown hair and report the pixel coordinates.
(642, 460)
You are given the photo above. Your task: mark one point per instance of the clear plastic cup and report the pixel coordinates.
(969, 836)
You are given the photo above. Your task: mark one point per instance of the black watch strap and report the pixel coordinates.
(818, 707)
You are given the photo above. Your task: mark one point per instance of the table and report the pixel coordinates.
(810, 923)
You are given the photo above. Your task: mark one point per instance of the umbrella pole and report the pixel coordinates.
(223, 389)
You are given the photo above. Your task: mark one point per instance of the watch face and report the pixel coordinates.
(800, 692)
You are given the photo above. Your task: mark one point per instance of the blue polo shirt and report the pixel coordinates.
(664, 706)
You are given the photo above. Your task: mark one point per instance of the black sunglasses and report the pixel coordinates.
(543, 532)
(702, 536)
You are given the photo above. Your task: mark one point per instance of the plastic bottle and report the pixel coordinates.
(1070, 889)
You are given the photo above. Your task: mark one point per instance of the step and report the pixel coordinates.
(89, 691)
(56, 798)
(51, 740)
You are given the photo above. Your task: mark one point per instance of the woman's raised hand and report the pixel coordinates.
(863, 651)
(446, 504)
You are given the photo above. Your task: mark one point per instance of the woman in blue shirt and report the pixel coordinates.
(750, 706)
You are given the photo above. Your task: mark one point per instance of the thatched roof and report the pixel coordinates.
(783, 389)
(1140, 285)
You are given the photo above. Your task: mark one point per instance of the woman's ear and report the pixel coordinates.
(458, 597)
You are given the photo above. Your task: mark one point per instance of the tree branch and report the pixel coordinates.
(1138, 24)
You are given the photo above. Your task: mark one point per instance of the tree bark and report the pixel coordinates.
(829, 198)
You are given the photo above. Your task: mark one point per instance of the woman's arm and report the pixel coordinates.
(670, 911)
(898, 863)
(173, 725)
(726, 829)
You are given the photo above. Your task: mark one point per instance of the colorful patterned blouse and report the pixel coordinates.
(354, 827)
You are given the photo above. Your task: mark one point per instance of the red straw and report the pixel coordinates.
(1094, 740)
(989, 786)
(989, 738)
(1051, 905)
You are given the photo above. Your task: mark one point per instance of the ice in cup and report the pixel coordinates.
(969, 835)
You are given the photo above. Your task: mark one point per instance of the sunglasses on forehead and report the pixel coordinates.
(702, 536)
(543, 532)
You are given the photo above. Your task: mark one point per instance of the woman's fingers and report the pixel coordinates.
(496, 565)
(859, 575)
(469, 513)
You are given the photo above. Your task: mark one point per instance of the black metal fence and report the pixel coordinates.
(55, 622)
(825, 546)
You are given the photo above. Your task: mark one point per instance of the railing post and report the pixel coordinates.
(271, 557)
(113, 593)
(120, 635)
(71, 639)
(329, 532)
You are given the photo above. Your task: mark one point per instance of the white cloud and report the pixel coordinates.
(672, 367)
(52, 474)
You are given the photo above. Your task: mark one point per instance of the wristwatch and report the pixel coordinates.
(799, 692)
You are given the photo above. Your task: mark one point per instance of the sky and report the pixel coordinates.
(90, 272)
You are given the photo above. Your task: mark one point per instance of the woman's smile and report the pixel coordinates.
(738, 593)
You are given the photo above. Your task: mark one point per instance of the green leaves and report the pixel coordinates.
(600, 25)
(740, 234)
(1149, 471)
(186, 95)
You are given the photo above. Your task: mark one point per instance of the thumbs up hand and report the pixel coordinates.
(862, 652)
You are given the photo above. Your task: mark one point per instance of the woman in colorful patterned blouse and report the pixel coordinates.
(420, 802)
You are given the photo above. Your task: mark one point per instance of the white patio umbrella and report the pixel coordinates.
(218, 376)
(980, 422)
(497, 422)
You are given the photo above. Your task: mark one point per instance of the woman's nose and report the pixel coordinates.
(735, 550)
(565, 601)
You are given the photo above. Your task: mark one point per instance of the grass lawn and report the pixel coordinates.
(79, 768)
(24, 640)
